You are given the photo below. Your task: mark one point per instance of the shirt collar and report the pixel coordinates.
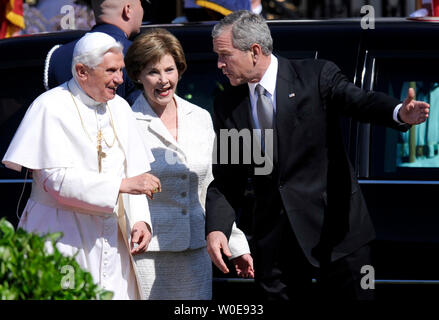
(268, 80)
(143, 109)
(80, 94)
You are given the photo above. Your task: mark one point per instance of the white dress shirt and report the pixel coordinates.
(268, 82)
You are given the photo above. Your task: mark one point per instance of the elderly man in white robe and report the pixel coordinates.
(89, 166)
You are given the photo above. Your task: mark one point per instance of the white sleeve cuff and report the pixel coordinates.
(395, 113)
(137, 209)
(238, 244)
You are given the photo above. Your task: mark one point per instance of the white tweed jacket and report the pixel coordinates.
(184, 168)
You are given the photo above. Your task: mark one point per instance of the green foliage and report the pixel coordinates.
(29, 271)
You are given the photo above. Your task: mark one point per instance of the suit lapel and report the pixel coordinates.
(185, 125)
(286, 96)
(155, 124)
(286, 106)
(241, 114)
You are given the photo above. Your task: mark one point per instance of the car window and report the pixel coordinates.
(202, 81)
(415, 153)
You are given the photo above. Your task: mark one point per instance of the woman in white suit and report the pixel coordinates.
(181, 136)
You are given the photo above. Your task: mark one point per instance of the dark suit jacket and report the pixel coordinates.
(313, 182)
(60, 66)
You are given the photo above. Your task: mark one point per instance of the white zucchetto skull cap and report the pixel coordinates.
(94, 41)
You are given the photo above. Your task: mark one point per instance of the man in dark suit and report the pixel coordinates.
(309, 211)
(117, 18)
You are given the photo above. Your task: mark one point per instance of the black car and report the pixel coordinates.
(398, 172)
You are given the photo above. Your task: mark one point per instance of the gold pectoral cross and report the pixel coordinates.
(101, 154)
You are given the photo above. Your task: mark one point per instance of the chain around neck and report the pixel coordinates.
(100, 135)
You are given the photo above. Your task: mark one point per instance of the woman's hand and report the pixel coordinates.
(145, 183)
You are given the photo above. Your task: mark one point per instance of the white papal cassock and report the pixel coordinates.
(58, 141)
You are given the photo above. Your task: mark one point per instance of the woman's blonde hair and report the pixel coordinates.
(150, 47)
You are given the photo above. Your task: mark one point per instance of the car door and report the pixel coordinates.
(399, 172)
